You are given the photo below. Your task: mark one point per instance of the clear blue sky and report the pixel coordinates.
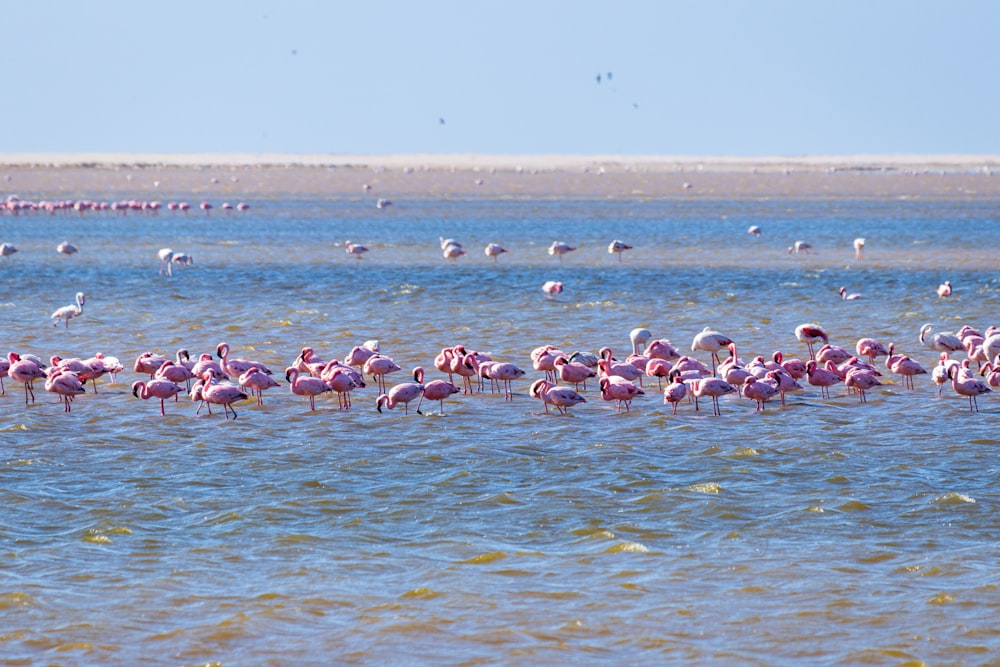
(702, 77)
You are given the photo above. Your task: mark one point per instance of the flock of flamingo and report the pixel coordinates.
(221, 379)
(14, 205)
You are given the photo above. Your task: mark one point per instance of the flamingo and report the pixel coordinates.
(158, 388)
(305, 385)
(907, 367)
(402, 393)
(607, 367)
(453, 251)
(939, 374)
(941, 341)
(661, 349)
(378, 367)
(848, 297)
(944, 289)
(562, 398)
(224, 394)
(619, 247)
(183, 259)
(862, 381)
(714, 388)
(558, 248)
(573, 372)
(66, 384)
(859, 248)
(174, 372)
(257, 381)
(810, 334)
(7, 249)
(343, 382)
(991, 343)
(26, 371)
(505, 373)
(821, 377)
(551, 287)
(234, 368)
(871, 348)
(166, 256)
(67, 248)
(358, 355)
(754, 231)
(639, 337)
(435, 390)
(711, 341)
(206, 207)
(621, 391)
(968, 386)
(759, 391)
(659, 369)
(66, 313)
(355, 249)
(675, 392)
(494, 250)
(799, 247)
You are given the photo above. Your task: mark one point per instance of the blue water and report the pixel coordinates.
(822, 532)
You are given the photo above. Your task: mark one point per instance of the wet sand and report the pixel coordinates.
(216, 177)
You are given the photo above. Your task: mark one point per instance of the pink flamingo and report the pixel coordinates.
(26, 371)
(714, 388)
(66, 313)
(551, 287)
(907, 367)
(821, 377)
(794, 367)
(435, 390)
(378, 367)
(559, 249)
(166, 257)
(968, 386)
(359, 354)
(494, 250)
(939, 374)
(711, 341)
(148, 363)
(834, 353)
(562, 398)
(206, 207)
(811, 334)
(305, 385)
(944, 289)
(257, 381)
(659, 369)
(342, 381)
(848, 297)
(355, 249)
(675, 391)
(621, 391)
(942, 341)
(573, 372)
(543, 359)
(608, 367)
(158, 388)
(402, 393)
(505, 373)
(66, 384)
(661, 349)
(207, 363)
(174, 372)
(759, 391)
(465, 369)
(224, 394)
(619, 247)
(859, 248)
(991, 371)
(871, 348)
(861, 380)
(234, 368)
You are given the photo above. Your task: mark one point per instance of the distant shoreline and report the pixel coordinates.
(215, 177)
(512, 162)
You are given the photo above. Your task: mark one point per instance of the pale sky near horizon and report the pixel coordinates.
(713, 78)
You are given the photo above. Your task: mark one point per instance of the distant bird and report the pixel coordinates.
(7, 249)
(848, 297)
(242, 206)
(182, 259)
(944, 289)
(552, 287)
(166, 256)
(619, 247)
(559, 249)
(206, 207)
(383, 203)
(754, 231)
(799, 247)
(453, 251)
(66, 313)
(494, 250)
(67, 248)
(859, 248)
(355, 249)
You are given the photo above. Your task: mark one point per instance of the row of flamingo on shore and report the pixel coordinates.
(225, 380)
(14, 205)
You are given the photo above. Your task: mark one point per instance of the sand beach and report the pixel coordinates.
(113, 175)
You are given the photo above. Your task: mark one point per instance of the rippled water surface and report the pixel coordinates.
(822, 532)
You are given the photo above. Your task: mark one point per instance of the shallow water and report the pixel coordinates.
(827, 531)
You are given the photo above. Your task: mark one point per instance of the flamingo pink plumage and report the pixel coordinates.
(436, 390)
(968, 386)
(402, 393)
(713, 388)
(161, 388)
(821, 377)
(810, 334)
(562, 398)
(66, 384)
(25, 371)
(305, 385)
(257, 381)
(759, 391)
(622, 391)
(675, 392)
